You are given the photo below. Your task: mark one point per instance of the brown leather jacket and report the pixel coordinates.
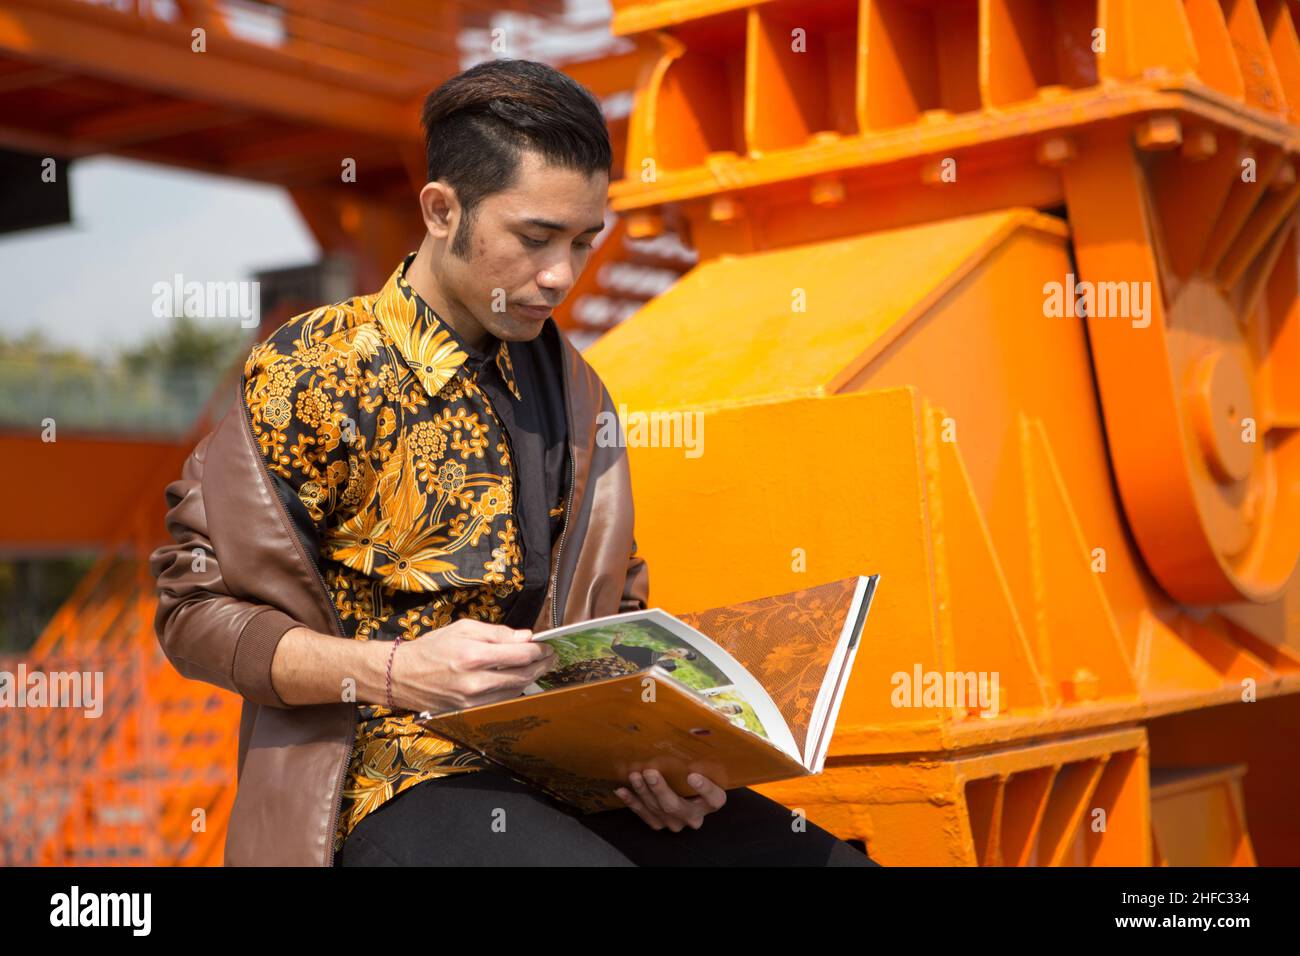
(236, 578)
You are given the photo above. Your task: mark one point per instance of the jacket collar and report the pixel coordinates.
(432, 348)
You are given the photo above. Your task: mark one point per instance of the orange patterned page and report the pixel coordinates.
(785, 640)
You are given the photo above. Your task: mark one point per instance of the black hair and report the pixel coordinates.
(478, 123)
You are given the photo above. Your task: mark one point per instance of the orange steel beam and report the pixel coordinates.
(235, 74)
(57, 512)
(16, 77)
(114, 129)
(608, 75)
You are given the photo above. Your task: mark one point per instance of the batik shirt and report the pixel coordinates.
(399, 452)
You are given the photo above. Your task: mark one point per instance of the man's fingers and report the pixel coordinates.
(509, 678)
(500, 634)
(689, 810)
(651, 797)
(636, 805)
(642, 790)
(502, 657)
(493, 633)
(709, 791)
(664, 796)
(676, 811)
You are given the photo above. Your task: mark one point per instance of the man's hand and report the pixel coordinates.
(659, 806)
(466, 664)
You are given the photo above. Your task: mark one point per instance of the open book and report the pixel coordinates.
(742, 694)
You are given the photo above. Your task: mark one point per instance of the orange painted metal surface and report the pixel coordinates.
(1010, 293)
(57, 512)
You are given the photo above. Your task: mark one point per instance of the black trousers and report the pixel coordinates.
(488, 818)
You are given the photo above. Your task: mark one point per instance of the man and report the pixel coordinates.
(407, 486)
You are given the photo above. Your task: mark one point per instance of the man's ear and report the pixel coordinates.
(440, 209)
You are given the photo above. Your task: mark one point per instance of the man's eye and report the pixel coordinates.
(534, 243)
(583, 245)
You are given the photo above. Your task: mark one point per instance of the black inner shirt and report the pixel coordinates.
(538, 432)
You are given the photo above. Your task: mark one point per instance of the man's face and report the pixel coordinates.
(526, 246)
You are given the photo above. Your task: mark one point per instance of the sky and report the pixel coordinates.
(91, 283)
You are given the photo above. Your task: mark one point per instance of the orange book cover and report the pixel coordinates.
(743, 694)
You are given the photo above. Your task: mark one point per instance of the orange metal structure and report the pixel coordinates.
(148, 781)
(1010, 291)
(999, 299)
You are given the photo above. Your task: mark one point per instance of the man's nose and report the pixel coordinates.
(558, 278)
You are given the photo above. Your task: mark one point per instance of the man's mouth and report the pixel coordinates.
(536, 311)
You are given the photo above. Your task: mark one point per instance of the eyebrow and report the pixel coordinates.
(547, 224)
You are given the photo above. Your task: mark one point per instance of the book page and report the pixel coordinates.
(793, 643)
(638, 640)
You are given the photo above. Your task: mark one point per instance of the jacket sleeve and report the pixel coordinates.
(636, 590)
(206, 632)
(636, 584)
